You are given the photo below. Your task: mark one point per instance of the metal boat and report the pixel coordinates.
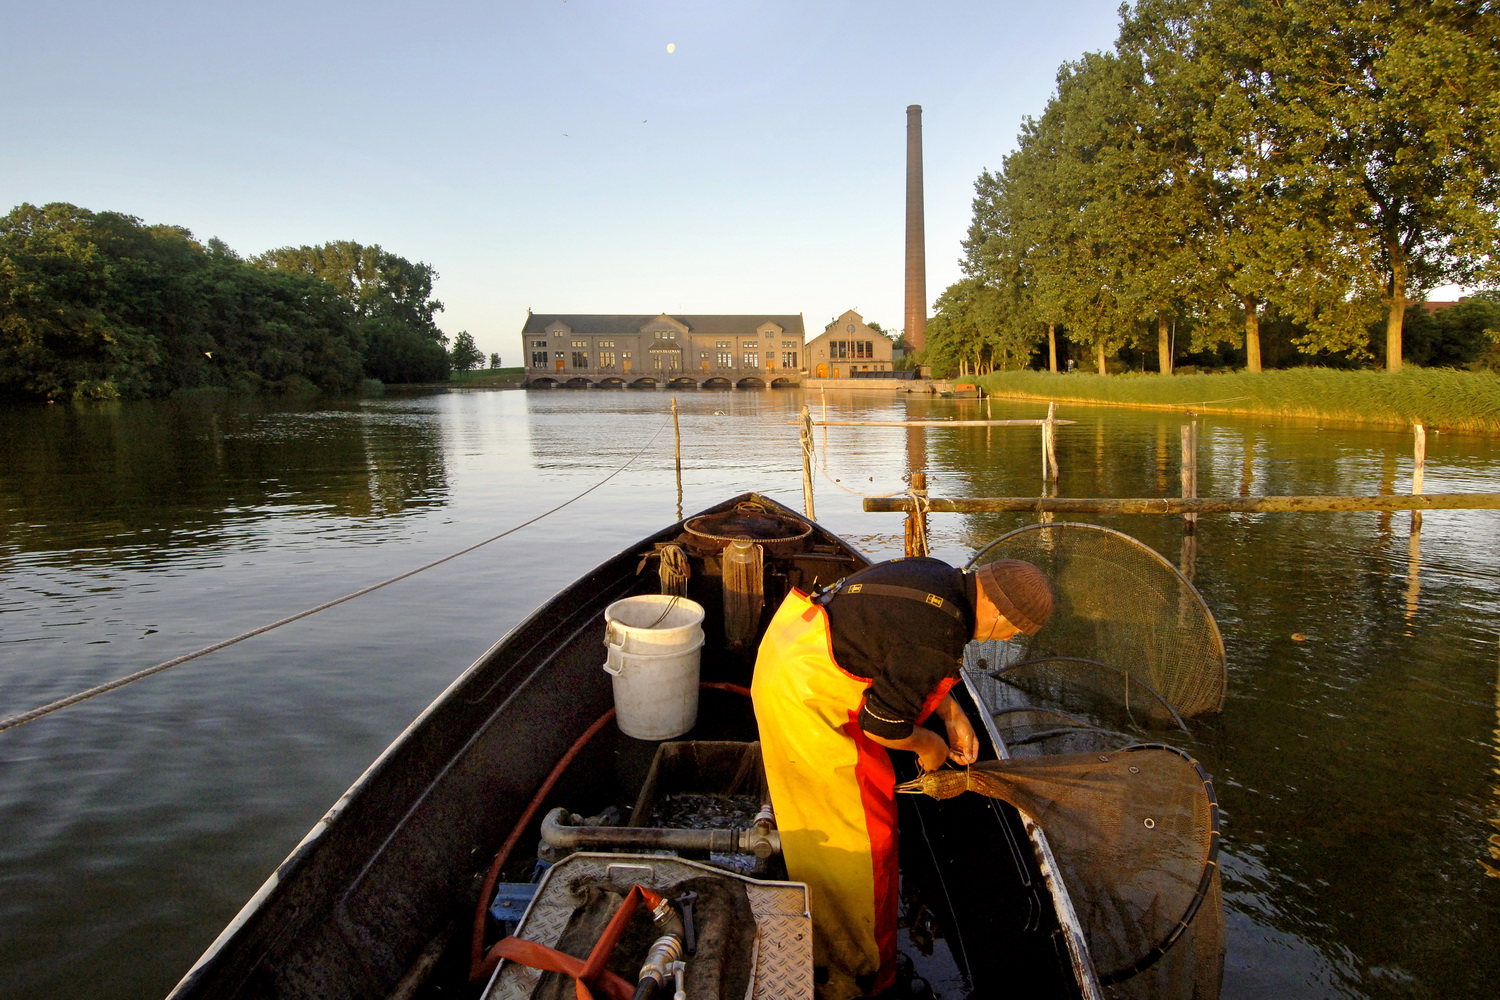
(405, 886)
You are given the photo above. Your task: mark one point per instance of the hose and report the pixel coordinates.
(481, 965)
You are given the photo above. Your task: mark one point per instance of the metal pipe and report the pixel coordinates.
(558, 832)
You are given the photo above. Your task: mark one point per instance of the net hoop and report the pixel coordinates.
(1205, 882)
(1152, 556)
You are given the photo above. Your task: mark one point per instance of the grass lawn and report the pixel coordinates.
(1440, 398)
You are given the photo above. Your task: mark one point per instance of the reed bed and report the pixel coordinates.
(1440, 398)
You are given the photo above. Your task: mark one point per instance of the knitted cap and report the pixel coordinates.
(1018, 590)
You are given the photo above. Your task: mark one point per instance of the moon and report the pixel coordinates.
(671, 47)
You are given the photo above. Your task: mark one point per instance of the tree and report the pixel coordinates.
(1382, 117)
(464, 355)
(388, 294)
(494, 359)
(99, 304)
(395, 353)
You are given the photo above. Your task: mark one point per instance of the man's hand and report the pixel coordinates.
(963, 745)
(929, 747)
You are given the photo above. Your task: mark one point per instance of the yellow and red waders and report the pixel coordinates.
(833, 791)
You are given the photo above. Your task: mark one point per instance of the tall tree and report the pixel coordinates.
(390, 295)
(1384, 118)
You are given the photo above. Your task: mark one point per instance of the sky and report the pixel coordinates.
(551, 155)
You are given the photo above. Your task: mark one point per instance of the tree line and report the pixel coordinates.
(101, 305)
(1231, 167)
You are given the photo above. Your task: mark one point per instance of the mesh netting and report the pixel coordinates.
(1118, 605)
(1135, 835)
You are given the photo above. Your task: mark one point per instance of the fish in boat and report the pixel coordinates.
(514, 809)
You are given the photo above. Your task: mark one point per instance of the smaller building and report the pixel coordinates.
(849, 345)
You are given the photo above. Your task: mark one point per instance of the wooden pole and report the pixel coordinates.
(1197, 505)
(1049, 444)
(807, 481)
(937, 423)
(1418, 470)
(916, 517)
(1190, 473)
(677, 433)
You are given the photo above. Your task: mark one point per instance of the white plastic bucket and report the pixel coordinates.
(653, 644)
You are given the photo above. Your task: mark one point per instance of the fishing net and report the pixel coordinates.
(1135, 834)
(1126, 625)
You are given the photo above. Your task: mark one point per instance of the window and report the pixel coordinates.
(657, 362)
(606, 359)
(605, 343)
(752, 359)
(788, 343)
(539, 358)
(580, 343)
(721, 345)
(580, 359)
(666, 334)
(851, 349)
(726, 359)
(625, 355)
(538, 343)
(789, 359)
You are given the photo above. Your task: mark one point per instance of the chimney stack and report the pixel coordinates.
(916, 240)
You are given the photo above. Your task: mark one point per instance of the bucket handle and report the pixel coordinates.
(614, 661)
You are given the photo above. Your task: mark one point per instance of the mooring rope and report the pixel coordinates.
(73, 699)
(920, 508)
(819, 462)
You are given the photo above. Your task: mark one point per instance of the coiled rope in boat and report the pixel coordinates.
(36, 713)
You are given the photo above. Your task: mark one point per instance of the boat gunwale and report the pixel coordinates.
(542, 621)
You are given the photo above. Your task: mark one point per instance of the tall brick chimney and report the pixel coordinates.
(916, 240)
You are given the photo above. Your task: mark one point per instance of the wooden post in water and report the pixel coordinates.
(1049, 445)
(1190, 473)
(916, 518)
(807, 446)
(677, 433)
(1418, 471)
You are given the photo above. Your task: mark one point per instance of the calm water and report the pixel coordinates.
(1355, 767)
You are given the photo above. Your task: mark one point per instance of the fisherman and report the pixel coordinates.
(843, 676)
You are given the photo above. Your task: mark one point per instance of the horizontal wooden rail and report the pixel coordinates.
(1189, 505)
(932, 423)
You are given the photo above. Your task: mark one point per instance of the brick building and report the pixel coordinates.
(644, 351)
(848, 345)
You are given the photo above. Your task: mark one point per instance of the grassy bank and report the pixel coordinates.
(1440, 398)
(490, 377)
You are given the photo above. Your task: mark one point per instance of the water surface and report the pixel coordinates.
(1354, 762)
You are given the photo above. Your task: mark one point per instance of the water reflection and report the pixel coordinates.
(132, 484)
(1355, 768)
(1493, 870)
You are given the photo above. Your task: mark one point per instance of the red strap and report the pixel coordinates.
(585, 973)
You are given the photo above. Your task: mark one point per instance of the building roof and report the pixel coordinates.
(709, 326)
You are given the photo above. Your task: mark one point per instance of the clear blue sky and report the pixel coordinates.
(543, 154)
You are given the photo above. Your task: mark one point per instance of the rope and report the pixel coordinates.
(673, 571)
(918, 520)
(814, 460)
(73, 699)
